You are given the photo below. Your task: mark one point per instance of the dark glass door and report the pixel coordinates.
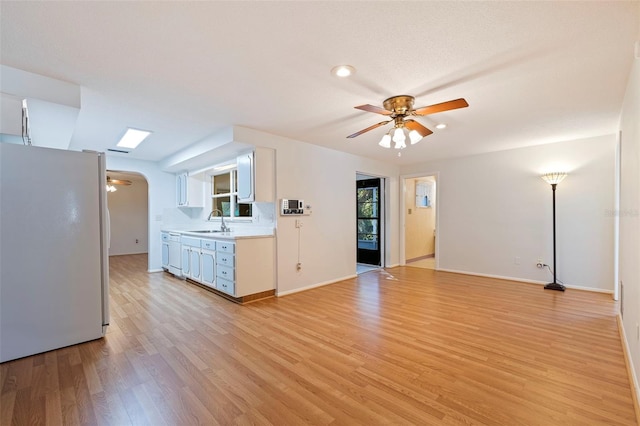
(368, 217)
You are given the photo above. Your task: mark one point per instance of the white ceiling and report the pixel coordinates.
(532, 72)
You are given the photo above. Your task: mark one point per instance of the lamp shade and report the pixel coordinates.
(554, 178)
(385, 142)
(415, 137)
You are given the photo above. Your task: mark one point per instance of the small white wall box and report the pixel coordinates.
(290, 207)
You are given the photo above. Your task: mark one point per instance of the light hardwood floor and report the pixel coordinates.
(402, 346)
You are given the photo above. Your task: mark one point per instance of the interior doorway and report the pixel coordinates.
(128, 204)
(420, 221)
(369, 222)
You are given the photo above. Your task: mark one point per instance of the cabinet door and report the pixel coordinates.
(209, 268)
(195, 264)
(245, 178)
(165, 255)
(226, 272)
(181, 189)
(186, 254)
(227, 286)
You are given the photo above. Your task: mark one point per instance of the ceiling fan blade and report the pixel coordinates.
(375, 126)
(444, 106)
(414, 125)
(373, 108)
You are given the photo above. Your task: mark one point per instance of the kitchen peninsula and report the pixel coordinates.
(238, 265)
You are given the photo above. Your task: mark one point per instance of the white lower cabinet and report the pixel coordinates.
(208, 258)
(225, 267)
(191, 263)
(226, 286)
(238, 268)
(165, 250)
(245, 267)
(196, 264)
(186, 257)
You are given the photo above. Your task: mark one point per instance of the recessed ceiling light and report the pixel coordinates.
(441, 126)
(132, 138)
(343, 70)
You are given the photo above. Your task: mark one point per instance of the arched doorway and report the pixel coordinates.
(128, 204)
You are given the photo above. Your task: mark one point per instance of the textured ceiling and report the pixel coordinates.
(532, 72)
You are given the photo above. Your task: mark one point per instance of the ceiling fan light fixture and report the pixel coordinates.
(343, 71)
(414, 137)
(398, 136)
(385, 142)
(400, 110)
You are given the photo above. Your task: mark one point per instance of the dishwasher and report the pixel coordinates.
(175, 266)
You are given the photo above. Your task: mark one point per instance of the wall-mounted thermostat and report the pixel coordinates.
(291, 207)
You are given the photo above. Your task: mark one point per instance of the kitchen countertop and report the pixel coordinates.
(232, 235)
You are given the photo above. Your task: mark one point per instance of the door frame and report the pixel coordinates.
(403, 209)
(370, 256)
(384, 224)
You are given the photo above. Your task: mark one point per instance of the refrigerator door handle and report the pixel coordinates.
(105, 237)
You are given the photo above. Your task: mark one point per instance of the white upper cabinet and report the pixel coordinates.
(189, 190)
(245, 178)
(256, 176)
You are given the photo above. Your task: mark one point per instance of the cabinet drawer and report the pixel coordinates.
(225, 259)
(225, 247)
(225, 272)
(208, 244)
(189, 241)
(226, 286)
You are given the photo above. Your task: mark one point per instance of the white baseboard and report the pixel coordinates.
(392, 266)
(154, 270)
(524, 280)
(633, 377)
(309, 287)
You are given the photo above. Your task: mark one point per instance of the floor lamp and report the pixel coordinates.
(554, 179)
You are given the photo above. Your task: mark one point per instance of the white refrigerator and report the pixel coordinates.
(54, 263)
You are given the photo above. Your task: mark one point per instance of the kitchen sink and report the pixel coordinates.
(207, 231)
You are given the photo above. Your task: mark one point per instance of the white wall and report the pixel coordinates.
(326, 179)
(494, 208)
(161, 196)
(629, 249)
(129, 213)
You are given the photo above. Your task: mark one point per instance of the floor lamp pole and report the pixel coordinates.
(554, 285)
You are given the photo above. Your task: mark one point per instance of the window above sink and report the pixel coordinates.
(224, 195)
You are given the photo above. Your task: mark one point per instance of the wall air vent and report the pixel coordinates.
(118, 150)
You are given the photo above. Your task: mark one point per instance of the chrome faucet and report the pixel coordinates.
(223, 227)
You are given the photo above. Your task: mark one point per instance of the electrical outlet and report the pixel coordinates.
(298, 223)
(298, 266)
(137, 241)
(539, 265)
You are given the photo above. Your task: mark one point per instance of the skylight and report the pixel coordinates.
(132, 138)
